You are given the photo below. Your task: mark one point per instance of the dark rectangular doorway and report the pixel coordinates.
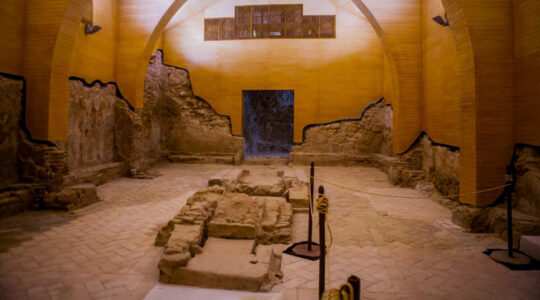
(268, 122)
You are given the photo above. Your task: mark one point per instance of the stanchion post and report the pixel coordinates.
(322, 247)
(310, 221)
(508, 191)
(355, 283)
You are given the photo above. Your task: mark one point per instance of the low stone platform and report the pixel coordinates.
(237, 216)
(227, 159)
(17, 198)
(292, 185)
(230, 264)
(96, 175)
(72, 197)
(240, 228)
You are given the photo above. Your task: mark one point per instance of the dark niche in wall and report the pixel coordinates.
(268, 122)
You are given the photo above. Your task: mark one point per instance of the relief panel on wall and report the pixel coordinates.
(270, 21)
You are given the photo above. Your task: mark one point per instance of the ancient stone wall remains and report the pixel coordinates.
(440, 166)
(368, 141)
(106, 137)
(11, 92)
(187, 124)
(42, 163)
(527, 188)
(433, 163)
(91, 124)
(346, 140)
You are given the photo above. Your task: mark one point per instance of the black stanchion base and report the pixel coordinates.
(301, 250)
(520, 261)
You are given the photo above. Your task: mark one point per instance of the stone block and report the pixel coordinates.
(237, 216)
(276, 221)
(299, 194)
(14, 202)
(72, 197)
(198, 210)
(228, 178)
(185, 238)
(97, 175)
(230, 264)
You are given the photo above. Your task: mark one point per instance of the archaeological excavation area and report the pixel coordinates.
(269, 149)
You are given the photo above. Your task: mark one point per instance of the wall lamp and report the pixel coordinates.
(442, 21)
(89, 29)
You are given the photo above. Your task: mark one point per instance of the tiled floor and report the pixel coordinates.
(400, 248)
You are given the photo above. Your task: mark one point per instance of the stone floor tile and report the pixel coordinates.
(401, 249)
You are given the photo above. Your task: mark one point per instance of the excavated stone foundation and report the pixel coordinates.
(223, 237)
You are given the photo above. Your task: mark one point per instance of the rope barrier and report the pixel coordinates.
(322, 206)
(409, 197)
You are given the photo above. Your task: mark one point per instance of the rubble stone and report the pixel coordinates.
(91, 124)
(527, 187)
(299, 194)
(276, 222)
(198, 210)
(72, 197)
(237, 216)
(11, 91)
(346, 139)
(188, 125)
(228, 264)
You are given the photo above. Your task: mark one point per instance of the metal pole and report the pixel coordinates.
(355, 283)
(310, 222)
(508, 190)
(322, 247)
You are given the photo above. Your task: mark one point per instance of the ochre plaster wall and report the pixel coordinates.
(93, 55)
(400, 23)
(11, 31)
(332, 78)
(441, 106)
(527, 70)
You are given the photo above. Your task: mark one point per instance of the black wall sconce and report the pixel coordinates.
(89, 29)
(442, 21)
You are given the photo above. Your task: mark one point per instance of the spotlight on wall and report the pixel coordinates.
(91, 30)
(442, 21)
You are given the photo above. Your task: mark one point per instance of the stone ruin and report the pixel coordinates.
(225, 236)
(107, 139)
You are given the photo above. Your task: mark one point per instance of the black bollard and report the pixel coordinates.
(322, 247)
(310, 221)
(508, 192)
(355, 283)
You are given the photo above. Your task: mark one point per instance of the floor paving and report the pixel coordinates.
(400, 248)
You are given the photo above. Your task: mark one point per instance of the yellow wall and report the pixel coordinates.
(527, 64)
(137, 19)
(93, 55)
(11, 31)
(332, 78)
(441, 83)
(400, 23)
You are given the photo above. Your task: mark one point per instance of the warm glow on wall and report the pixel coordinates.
(332, 78)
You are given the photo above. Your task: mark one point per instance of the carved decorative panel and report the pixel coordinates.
(243, 22)
(328, 26)
(293, 21)
(276, 23)
(227, 29)
(310, 26)
(270, 21)
(211, 29)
